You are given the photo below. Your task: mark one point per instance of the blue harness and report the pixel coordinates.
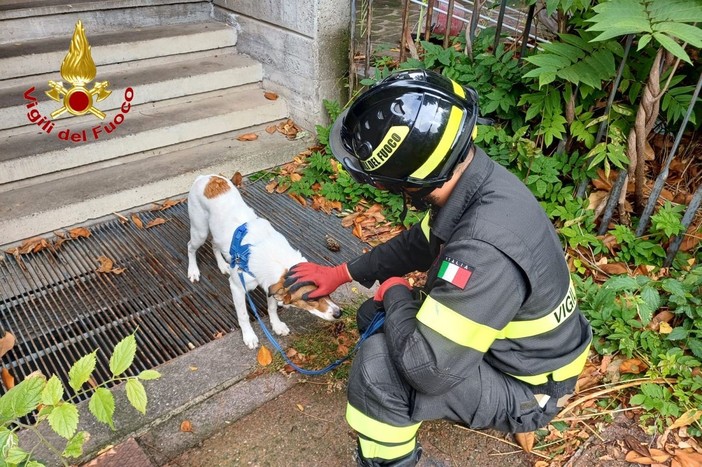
(240, 253)
(240, 259)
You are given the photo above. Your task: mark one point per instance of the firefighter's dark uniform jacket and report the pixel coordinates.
(517, 312)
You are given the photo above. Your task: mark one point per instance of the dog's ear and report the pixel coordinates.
(287, 299)
(277, 290)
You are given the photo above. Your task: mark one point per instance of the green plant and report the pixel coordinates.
(46, 399)
(621, 312)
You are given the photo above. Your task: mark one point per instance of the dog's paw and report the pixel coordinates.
(280, 328)
(251, 340)
(194, 275)
(224, 269)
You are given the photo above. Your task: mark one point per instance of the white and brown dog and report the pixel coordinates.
(216, 206)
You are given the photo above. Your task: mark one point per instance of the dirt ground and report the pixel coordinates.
(305, 426)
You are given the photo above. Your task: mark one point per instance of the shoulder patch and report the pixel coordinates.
(215, 187)
(455, 272)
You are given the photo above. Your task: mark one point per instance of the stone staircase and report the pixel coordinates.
(181, 94)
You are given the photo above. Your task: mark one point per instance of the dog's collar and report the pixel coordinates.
(240, 253)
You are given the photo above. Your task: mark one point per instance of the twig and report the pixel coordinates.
(543, 456)
(591, 430)
(597, 394)
(593, 415)
(313, 416)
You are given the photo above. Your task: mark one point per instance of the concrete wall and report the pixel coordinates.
(303, 46)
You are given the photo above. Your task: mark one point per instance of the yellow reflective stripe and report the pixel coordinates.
(570, 370)
(425, 226)
(458, 89)
(379, 431)
(453, 326)
(371, 450)
(447, 139)
(549, 322)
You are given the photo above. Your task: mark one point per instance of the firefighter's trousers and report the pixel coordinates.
(387, 412)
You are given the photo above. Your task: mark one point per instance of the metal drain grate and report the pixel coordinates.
(59, 308)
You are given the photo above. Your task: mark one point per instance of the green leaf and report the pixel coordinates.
(22, 399)
(618, 18)
(74, 447)
(678, 333)
(123, 356)
(695, 346)
(643, 42)
(147, 375)
(81, 370)
(34, 464)
(136, 394)
(618, 283)
(685, 32)
(15, 455)
(651, 297)
(53, 391)
(64, 419)
(102, 406)
(638, 399)
(672, 46)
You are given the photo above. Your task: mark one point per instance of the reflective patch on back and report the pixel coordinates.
(215, 187)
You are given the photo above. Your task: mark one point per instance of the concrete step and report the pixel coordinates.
(35, 57)
(153, 80)
(28, 151)
(32, 20)
(43, 207)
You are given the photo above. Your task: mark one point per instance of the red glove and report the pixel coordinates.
(326, 278)
(385, 286)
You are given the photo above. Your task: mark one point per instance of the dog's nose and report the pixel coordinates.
(337, 313)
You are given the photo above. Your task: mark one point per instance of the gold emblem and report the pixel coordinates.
(78, 68)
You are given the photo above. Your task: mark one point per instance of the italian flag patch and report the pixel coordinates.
(454, 272)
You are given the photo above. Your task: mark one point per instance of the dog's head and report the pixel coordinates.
(322, 307)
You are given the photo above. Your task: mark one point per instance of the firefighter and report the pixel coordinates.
(495, 338)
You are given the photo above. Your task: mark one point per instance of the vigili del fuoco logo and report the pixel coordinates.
(78, 69)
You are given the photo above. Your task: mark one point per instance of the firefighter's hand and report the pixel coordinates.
(385, 286)
(326, 278)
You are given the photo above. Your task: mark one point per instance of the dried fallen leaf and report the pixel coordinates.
(264, 356)
(302, 201)
(186, 426)
(93, 384)
(248, 137)
(6, 343)
(106, 264)
(688, 418)
(137, 221)
(122, 219)
(300, 407)
(217, 335)
(79, 232)
(525, 440)
(656, 456)
(271, 186)
(632, 366)
(358, 231)
(60, 233)
(271, 129)
(155, 222)
(237, 179)
(688, 459)
(271, 96)
(169, 203)
(614, 268)
(665, 328)
(7, 379)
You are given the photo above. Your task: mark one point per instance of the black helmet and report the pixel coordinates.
(410, 130)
